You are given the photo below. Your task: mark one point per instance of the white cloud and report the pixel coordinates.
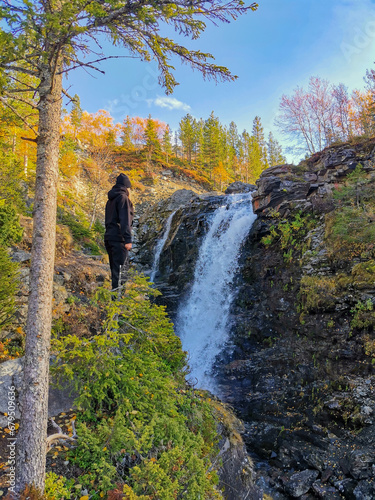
(169, 103)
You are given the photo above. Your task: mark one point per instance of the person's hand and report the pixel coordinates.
(128, 246)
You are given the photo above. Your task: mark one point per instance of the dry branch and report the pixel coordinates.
(60, 435)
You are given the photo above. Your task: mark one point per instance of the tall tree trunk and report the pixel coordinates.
(93, 216)
(26, 160)
(31, 442)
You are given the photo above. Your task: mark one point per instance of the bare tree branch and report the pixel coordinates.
(60, 435)
(90, 64)
(29, 139)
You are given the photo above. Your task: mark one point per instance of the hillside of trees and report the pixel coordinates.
(205, 150)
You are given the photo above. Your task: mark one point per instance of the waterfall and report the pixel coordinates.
(159, 247)
(202, 320)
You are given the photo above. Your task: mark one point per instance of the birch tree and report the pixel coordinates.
(45, 39)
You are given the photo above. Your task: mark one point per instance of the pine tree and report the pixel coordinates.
(127, 136)
(167, 144)
(258, 134)
(153, 146)
(76, 114)
(211, 138)
(233, 148)
(274, 152)
(176, 145)
(200, 143)
(187, 136)
(256, 159)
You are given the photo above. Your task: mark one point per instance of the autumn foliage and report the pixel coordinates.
(323, 114)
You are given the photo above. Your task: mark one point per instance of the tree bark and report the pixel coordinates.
(31, 441)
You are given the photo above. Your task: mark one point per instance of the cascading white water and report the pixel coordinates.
(202, 320)
(159, 247)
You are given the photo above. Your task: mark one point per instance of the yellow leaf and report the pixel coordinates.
(105, 448)
(86, 497)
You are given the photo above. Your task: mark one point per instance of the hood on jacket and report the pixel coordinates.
(123, 180)
(116, 191)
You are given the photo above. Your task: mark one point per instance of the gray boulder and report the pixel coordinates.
(59, 400)
(240, 187)
(300, 482)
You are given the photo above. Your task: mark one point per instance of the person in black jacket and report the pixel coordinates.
(119, 214)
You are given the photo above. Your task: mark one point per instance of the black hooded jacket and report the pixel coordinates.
(119, 215)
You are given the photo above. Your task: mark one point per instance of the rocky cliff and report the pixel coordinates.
(300, 370)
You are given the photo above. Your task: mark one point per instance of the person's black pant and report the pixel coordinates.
(118, 256)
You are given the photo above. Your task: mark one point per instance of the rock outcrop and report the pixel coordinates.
(302, 374)
(312, 180)
(59, 399)
(299, 367)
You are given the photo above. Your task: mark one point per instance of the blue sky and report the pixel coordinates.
(272, 50)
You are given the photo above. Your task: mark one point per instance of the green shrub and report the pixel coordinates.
(10, 232)
(79, 227)
(98, 228)
(289, 234)
(363, 315)
(317, 293)
(350, 228)
(57, 487)
(11, 174)
(139, 425)
(8, 287)
(10, 229)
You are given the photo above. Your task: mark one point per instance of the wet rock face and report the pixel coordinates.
(295, 370)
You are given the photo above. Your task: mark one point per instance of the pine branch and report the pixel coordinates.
(19, 69)
(18, 115)
(29, 88)
(25, 101)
